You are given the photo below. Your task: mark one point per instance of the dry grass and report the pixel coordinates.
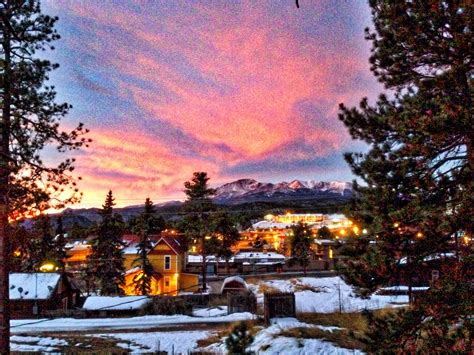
(355, 322)
(252, 326)
(265, 288)
(88, 345)
(342, 338)
(218, 301)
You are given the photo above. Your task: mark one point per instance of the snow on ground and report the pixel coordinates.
(171, 342)
(35, 344)
(267, 341)
(210, 312)
(72, 324)
(322, 295)
(94, 303)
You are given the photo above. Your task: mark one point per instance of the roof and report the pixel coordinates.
(259, 255)
(173, 243)
(33, 286)
(230, 279)
(270, 224)
(110, 303)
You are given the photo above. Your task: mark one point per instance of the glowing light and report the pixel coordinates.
(17, 253)
(48, 267)
(396, 224)
(342, 232)
(364, 231)
(330, 253)
(419, 235)
(356, 229)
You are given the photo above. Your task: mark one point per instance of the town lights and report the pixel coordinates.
(396, 225)
(419, 235)
(364, 231)
(48, 267)
(356, 229)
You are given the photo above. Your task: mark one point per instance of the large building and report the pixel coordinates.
(296, 218)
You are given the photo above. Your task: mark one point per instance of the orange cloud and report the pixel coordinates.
(224, 87)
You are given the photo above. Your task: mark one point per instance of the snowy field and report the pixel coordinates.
(324, 295)
(312, 295)
(171, 342)
(71, 324)
(35, 344)
(267, 341)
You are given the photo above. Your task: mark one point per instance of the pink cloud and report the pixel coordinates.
(241, 82)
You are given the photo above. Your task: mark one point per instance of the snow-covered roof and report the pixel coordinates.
(264, 256)
(31, 286)
(198, 258)
(270, 224)
(130, 249)
(95, 303)
(233, 279)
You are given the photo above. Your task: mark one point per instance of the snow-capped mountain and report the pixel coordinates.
(248, 190)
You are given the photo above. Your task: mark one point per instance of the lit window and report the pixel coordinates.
(167, 262)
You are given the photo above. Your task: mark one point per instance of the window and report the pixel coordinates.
(167, 262)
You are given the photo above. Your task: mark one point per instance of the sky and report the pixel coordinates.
(239, 89)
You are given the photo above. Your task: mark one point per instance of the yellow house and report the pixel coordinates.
(168, 259)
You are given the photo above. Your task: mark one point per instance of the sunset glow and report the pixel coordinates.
(237, 89)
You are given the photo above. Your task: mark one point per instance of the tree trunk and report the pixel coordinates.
(4, 185)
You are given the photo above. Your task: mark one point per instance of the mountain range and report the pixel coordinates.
(243, 192)
(250, 190)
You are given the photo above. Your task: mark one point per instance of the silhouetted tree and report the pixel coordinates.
(143, 280)
(227, 234)
(105, 264)
(198, 219)
(29, 122)
(418, 195)
(300, 246)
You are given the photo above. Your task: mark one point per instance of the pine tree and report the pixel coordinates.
(419, 172)
(22, 248)
(46, 249)
(29, 121)
(142, 280)
(105, 263)
(300, 246)
(325, 233)
(198, 220)
(239, 340)
(227, 236)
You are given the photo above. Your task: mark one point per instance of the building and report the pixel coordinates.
(41, 294)
(293, 218)
(168, 258)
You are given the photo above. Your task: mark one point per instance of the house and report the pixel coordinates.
(39, 294)
(115, 305)
(76, 255)
(167, 258)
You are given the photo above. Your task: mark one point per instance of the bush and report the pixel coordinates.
(169, 305)
(239, 340)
